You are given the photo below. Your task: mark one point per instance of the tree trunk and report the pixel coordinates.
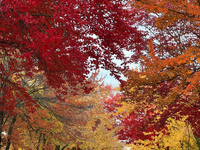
(2, 114)
(44, 142)
(64, 147)
(10, 132)
(57, 147)
(4, 59)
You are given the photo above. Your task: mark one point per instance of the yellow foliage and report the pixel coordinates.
(98, 133)
(180, 137)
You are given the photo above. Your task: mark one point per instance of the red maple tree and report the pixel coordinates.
(169, 72)
(136, 122)
(64, 40)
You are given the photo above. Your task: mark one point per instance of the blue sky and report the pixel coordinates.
(110, 79)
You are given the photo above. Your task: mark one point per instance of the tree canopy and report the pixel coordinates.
(64, 40)
(168, 76)
(49, 99)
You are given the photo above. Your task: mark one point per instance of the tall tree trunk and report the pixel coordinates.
(4, 59)
(10, 132)
(1, 126)
(44, 142)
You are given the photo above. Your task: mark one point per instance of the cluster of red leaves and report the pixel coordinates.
(137, 122)
(148, 118)
(65, 39)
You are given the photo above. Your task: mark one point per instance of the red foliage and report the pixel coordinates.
(136, 122)
(169, 72)
(64, 40)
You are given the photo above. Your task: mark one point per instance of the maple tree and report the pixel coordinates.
(79, 121)
(64, 41)
(179, 136)
(145, 126)
(34, 123)
(134, 119)
(168, 75)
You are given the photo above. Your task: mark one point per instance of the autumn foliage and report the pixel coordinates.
(78, 121)
(50, 99)
(168, 75)
(64, 40)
